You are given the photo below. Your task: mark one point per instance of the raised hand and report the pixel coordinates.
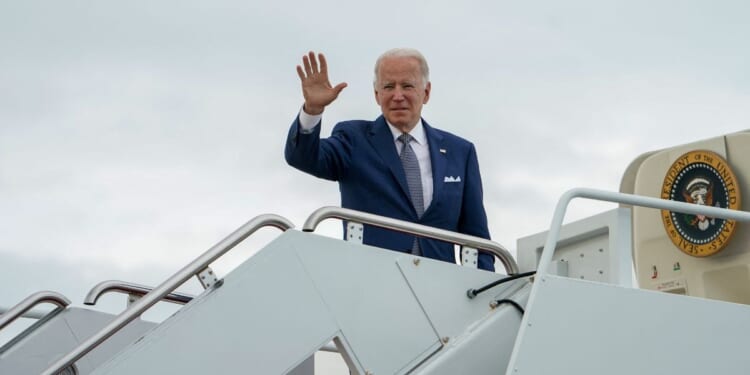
(316, 88)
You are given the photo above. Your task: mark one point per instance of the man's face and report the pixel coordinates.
(400, 92)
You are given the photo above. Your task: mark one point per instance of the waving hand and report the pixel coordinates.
(316, 88)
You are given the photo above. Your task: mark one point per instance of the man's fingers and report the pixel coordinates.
(323, 64)
(339, 87)
(300, 73)
(306, 62)
(313, 62)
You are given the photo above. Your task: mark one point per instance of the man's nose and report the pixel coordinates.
(398, 94)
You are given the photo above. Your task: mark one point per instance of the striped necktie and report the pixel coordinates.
(413, 180)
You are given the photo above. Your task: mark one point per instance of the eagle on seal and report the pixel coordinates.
(699, 191)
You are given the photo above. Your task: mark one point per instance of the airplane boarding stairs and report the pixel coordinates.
(221, 322)
(394, 313)
(387, 312)
(64, 328)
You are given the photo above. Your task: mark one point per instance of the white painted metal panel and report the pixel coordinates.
(367, 295)
(266, 318)
(596, 248)
(277, 308)
(441, 288)
(485, 347)
(585, 328)
(382, 307)
(52, 337)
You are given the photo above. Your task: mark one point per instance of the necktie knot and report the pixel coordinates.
(405, 138)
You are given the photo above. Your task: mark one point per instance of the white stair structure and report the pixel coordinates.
(64, 328)
(395, 313)
(575, 326)
(387, 312)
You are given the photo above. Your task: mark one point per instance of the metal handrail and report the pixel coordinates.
(137, 308)
(31, 314)
(332, 212)
(29, 302)
(629, 199)
(109, 286)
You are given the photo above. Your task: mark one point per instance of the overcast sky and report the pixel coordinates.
(135, 135)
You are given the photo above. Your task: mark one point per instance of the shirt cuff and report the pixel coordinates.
(307, 121)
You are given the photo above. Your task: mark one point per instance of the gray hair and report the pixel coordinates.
(404, 52)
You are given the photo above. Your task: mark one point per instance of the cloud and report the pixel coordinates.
(139, 135)
(134, 136)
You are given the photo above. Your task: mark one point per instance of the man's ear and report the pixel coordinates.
(427, 89)
(377, 99)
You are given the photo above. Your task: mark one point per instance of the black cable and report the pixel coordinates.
(512, 302)
(471, 293)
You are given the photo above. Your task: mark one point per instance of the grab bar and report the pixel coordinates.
(137, 308)
(412, 228)
(29, 302)
(31, 314)
(108, 286)
(629, 199)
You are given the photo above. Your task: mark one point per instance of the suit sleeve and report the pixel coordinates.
(473, 218)
(323, 158)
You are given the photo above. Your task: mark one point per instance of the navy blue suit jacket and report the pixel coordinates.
(362, 157)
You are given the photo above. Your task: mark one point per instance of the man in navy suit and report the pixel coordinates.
(427, 176)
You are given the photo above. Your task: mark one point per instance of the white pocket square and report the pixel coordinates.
(452, 179)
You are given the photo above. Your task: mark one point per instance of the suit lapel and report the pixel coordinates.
(438, 160)
(382, 140)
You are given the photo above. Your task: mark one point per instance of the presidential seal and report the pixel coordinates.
(704, 178)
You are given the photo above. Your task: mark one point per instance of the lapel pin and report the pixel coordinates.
(442, 151)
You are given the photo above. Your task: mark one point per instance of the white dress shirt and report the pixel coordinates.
(419, 145)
